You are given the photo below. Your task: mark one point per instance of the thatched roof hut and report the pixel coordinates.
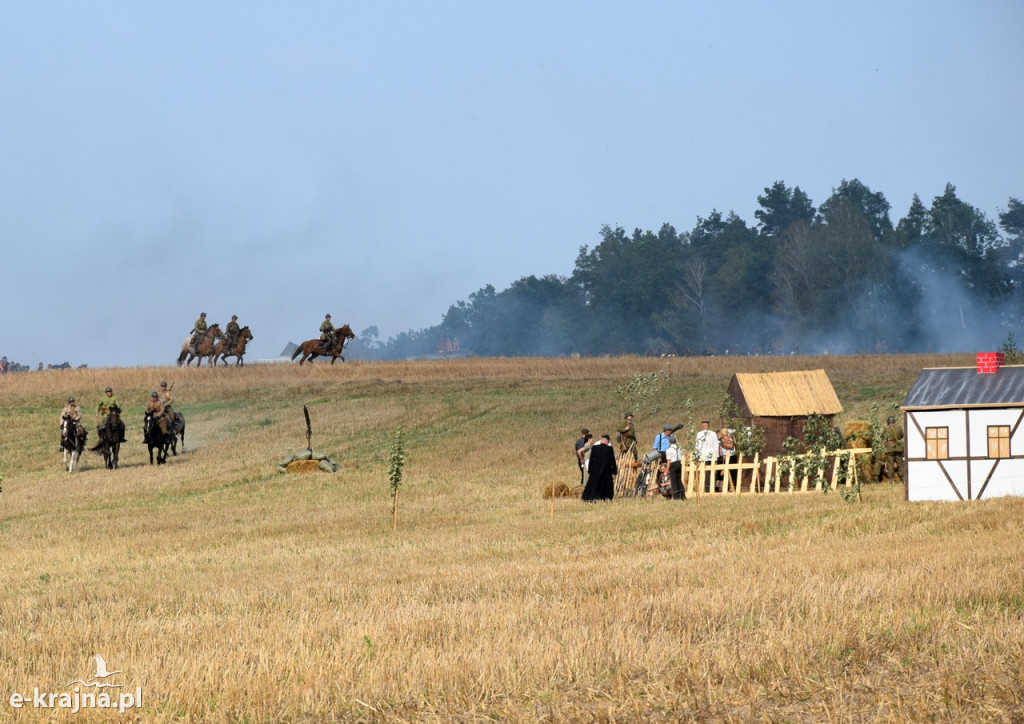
(781, 402)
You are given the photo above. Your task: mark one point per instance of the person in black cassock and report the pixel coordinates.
(601, 483)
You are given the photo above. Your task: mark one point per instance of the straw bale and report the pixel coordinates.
(561, 490)
(303, 466)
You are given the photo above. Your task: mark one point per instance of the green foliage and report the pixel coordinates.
(641, 392)
(750, 439)
(396, 461)
(1012, 355)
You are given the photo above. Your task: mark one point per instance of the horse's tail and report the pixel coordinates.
(297, 352)
(97, 448)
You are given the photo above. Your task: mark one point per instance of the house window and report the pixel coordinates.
(999, 441)
(936, 441)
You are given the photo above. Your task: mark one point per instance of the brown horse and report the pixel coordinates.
(311, 348)
(221, 351)
(205, 348)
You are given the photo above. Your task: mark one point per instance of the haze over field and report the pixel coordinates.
(380, 162)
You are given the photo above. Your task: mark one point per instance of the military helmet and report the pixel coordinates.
(163, 383)
(71, 399)
(890, 420)
(154, 394)
(202, 314)
(234, 316)
(328, 316)
(108, 390)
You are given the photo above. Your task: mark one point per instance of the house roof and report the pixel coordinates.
(788, 394)
(965, 387)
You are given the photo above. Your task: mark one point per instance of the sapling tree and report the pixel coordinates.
(396, 462)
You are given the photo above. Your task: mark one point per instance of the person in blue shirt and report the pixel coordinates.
(661, 440)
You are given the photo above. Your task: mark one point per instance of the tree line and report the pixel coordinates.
(835, 278)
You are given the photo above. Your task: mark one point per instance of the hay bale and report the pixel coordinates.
(303, 466)
(857, 433)
(561, 490)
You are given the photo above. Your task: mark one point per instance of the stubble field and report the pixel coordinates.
(225, 591)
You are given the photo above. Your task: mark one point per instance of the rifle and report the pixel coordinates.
(309, 429)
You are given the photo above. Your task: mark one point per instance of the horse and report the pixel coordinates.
(154, 437)
(110, 436)
(312, 348)
(205, 349)
(223, 351)
(176, 429)
(72, 441)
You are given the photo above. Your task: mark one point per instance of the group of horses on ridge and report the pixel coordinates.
(73, 437)
(214, 347)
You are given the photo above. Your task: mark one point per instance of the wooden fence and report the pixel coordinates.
(835, 468)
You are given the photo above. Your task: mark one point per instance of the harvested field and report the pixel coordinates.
(227, 591)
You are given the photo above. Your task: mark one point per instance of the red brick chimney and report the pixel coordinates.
(988, 362)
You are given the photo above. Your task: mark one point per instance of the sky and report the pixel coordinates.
(382, 161)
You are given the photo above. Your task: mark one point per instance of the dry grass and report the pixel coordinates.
(230, 592)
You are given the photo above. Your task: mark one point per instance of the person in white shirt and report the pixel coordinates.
(706, 450)
(675, 469)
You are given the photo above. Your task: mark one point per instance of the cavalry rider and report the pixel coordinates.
(198, 332)
(108, 401)
(156, 408)
(74, 413)
(327, 337)
(232, 332)
(165, 396)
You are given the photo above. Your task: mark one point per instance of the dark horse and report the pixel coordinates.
(72, 440)
(313, 348)
(110, 438)
(176, 429)
(204, 349)
(221, 351)
(155, 438)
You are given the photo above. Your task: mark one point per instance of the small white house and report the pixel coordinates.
(963, 433)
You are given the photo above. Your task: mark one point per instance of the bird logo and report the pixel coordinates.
(101, 673)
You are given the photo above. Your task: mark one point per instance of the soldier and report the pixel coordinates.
(231, 333)
(108, 401)
(198, 333)
(156, 408)
(892, 456)
(74, 412)
(165, 397)
(627, 434)
(327, 333)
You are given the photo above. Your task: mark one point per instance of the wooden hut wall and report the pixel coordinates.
(777, 429)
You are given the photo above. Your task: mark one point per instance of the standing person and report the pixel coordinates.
(675, 469)
(706, 450)
(726, 451)
(579, 455)
(603, 469)
(627, 434)
(108, 401)
(662, 439)
(327, 333)
(892, 447)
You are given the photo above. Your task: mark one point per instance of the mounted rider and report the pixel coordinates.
(327, 336)
(165, 397)
(198, 333)
(231, 333)
(155, 408)
(107, 403)
(72, 412)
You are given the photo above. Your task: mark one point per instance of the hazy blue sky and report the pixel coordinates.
(380, 161)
